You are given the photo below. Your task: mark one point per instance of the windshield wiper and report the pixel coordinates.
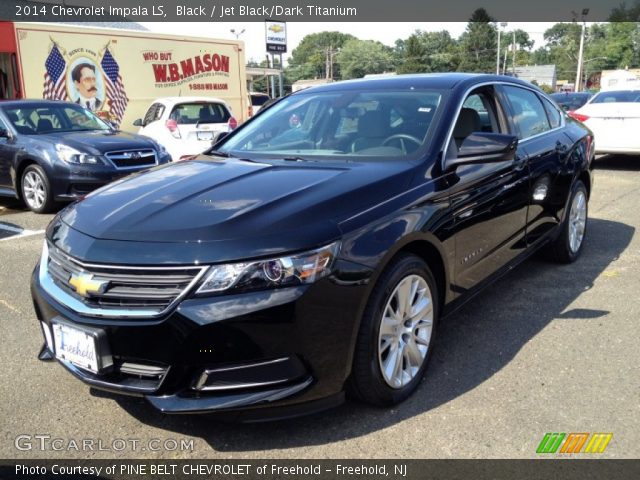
(218, 153)
(296, 159)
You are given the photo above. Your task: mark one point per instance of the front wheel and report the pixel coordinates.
(36, 190)
(568, 246)
(396, 334)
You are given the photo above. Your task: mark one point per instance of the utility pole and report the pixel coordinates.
(585, 12)
(501, 24)
(513, 67)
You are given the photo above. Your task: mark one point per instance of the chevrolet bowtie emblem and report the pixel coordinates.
(85, 285)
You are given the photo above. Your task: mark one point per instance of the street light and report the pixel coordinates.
(585, 12)
(236, 33)
(502, 24)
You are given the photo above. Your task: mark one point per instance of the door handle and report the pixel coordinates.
(520, 162)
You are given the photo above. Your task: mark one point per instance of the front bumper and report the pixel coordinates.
(269, 353)
(70, 182)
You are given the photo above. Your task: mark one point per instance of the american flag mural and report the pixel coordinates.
(54, 78)
(117, 97)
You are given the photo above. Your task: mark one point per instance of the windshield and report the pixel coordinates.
(381, 124)
(621, 96)
(571, 101)
(38, 119)
(259, 99)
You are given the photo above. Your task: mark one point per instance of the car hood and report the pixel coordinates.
(243, 208)
(99, 142)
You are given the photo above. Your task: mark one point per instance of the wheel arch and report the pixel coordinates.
(20, 168)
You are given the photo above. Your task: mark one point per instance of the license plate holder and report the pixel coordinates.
(84, 347)
(208, 136)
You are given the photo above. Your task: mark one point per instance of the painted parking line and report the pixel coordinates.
(12, 232)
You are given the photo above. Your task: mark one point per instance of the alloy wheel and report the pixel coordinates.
(405, 331)
(577, 221)
(34, 190)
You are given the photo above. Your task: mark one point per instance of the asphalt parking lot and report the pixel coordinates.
(546, 349)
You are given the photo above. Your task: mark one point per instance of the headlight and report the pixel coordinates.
(300, 269)
(71, 155)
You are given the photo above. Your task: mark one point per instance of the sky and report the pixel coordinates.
(387, 33)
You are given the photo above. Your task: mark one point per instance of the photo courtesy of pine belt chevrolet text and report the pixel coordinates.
(310, 254)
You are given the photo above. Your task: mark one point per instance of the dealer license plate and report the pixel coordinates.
(204, 135)
(75, 346)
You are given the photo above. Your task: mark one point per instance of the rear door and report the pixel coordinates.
(539, 126)
(489, 200)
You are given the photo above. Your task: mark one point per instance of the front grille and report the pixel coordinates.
(124, 159)
(120, 288)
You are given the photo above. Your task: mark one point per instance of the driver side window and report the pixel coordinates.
(478, 114)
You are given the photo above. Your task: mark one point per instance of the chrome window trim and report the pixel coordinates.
(77, 306)
(485, 84)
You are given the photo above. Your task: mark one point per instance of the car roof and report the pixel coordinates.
(566, 94)
(177, 100)
(440, 81)
(36, 103)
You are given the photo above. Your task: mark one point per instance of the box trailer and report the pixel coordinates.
(118, 73)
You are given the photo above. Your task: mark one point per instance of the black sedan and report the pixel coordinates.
(313, 250)
(57, 151)
(571, 101)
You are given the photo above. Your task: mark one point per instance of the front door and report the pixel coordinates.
(489, 201)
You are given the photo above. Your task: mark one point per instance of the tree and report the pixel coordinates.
(309, 59)
(428, 52)
(358, 58)
(414, 56)
(478, 44)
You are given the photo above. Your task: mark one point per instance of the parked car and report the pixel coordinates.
(315, 248)
(614, 118)
(258, 100)
(570, 101)
(186, 126)
(58, 151)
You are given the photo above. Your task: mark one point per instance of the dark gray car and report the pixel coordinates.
(58, 151)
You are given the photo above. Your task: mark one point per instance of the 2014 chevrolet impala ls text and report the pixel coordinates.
(312, 251)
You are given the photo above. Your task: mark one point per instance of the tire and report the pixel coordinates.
(373, 378)
(36, 189)
(569, 244)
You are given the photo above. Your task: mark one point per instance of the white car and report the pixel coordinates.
(614, 118)
(186, 126)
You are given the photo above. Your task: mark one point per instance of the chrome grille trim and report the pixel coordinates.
(146, 157)
(143, 370)
(110, 304)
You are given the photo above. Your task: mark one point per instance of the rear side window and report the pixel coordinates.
(193, 113)
(553, 113)
(153, 114)
(528, 113)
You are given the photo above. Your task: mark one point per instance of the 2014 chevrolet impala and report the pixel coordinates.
(313, 250)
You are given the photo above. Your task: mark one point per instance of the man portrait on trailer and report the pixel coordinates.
(84, 80)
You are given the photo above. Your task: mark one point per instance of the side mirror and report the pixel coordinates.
(4, 133)
(137, 122)
(485, 147)
(218, 137)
